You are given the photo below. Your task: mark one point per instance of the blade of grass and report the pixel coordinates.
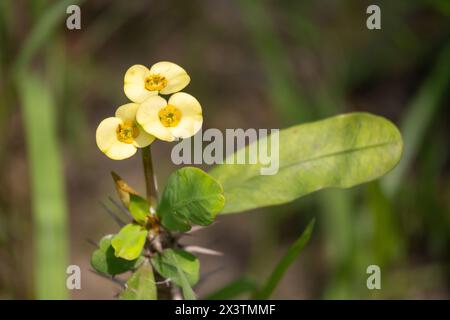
(46, 176)
(387, 241)
(233, 289)
(284, 92)
(285, 96)
(423, 109)
(44, 28)
(49, 207)
(281, 268)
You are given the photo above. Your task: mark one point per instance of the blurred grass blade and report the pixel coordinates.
(277, 274)
(443, 6)
(50, 236)
(284, 93)
(47, 23)
(387, 241)
(424, 108)
(233, 289)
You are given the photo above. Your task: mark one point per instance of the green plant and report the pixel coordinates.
(338, 152)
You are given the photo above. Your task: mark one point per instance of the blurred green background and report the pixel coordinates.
(253, 64)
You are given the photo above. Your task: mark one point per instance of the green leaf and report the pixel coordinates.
(104, 260)
(292, 253)
(141, 285)
(181, 267)
(190, 197)
(139, 208)
(128, 243)
(338, 152)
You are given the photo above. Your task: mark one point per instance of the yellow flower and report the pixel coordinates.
(119, 137)
(180, 117)
(163, 77)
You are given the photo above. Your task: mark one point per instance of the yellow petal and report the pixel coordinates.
(191, 115)
(127, 112)
(147, 117)
(143, 139)
(134, 83)
(106, 135)
(177, 77)
(120, 151)
(106, 138)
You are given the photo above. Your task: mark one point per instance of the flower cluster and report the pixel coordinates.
(149, 116)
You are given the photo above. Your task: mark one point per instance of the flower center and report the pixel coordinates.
(127, 131)
(169, 116)
(155, 82)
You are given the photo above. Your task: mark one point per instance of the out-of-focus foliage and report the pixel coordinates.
(258, 64)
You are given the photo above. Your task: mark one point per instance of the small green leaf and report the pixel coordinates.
(338, 152)
(190, 197)
(141, 285)
(181, 267)
(139, 208)
(128, 243)
(104, 260)
(289, 257)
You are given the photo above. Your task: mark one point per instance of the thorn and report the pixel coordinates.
(176, 293)
(178, 236)
(195, 229)
(166, 282)
(202, 250)
(92, 242)
(199, 228)
(113, 215)
(190, 233)
(120, 207)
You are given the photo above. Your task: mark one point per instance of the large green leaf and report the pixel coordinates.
(139, 208)
(190, 197)
(289, 257)
(128, 243)
(105, 261)
(181, 267)
(339, 152)
(141, 285)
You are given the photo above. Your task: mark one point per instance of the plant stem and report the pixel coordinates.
(164, 292)
(150, 177)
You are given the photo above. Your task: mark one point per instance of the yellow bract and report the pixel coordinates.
(180, 117)
(163, 77)
(119, 137)
(136, 125)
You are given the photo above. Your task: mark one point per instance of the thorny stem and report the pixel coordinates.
(150, 177)
(164, 291)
